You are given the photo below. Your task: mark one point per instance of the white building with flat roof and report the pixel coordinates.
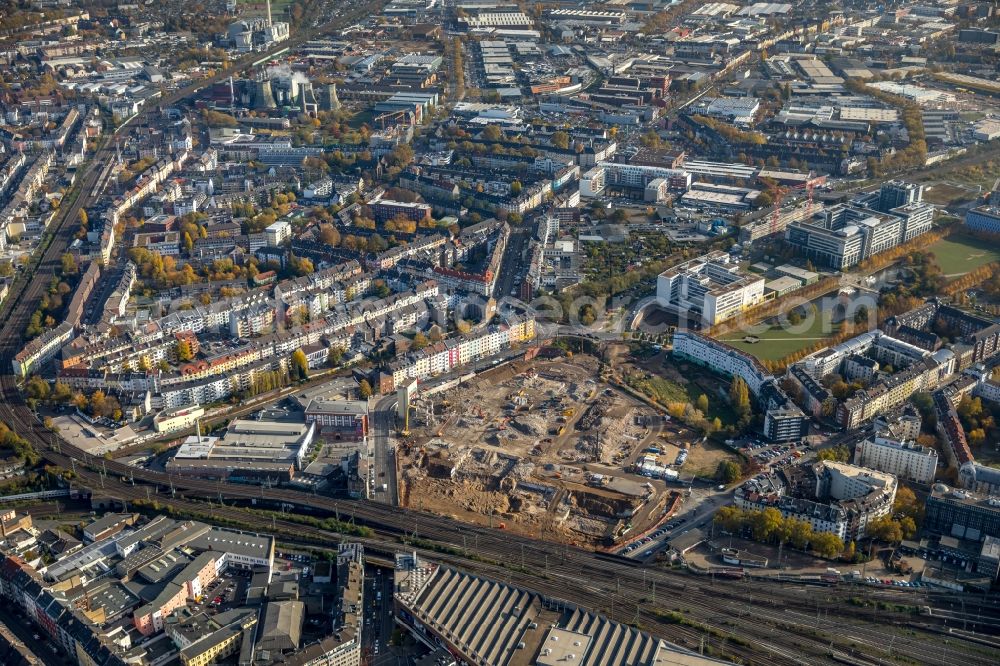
(906, 460)
(710, 287)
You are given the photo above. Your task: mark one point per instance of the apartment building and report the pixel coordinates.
(459, 351)
(906, 460)
(721, 358)
(783, 420)
(42, 349)
(893, 390)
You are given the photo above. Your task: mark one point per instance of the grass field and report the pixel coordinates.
(944, 194)
(778, 343)
(958, 254)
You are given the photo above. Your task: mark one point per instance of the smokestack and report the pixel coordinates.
(197, 424)
(269, 24)
(232, 93)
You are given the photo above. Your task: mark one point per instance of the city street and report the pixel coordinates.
(383, 419)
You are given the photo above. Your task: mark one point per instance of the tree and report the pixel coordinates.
(827, 545)
(728, 471)
(835, 454)
(730, 519)
(61, 392)
(184, 352)
(329, 235)
(765, 524)
(702, 403)
(98, 403)
(885, 529)
(739, 395)
(38, 388)
(800, 532)
(69, 266)
(300, 364)
(493, 133)
(560, 140)
(364, 389)
(435, 334)
(420, 341)
(516, 187)
(335, 355)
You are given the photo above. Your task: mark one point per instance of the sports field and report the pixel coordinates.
(959, 254)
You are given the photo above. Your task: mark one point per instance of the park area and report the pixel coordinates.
(959, 254)
(776, 343)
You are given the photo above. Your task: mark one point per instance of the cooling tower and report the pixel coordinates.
(328, 99)
(263, 97)
(307, 99)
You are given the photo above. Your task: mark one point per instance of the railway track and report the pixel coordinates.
(777, 628)
(722, 616)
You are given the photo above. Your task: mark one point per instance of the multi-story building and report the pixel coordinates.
(278, 232)
(984, 218)
(783, 420)
(844, 235)
(710, 287)
(722, 358)
(384, 210)
(41, 349)
(906, 460)
(339, 416)
(962, 514)
(896, 193)
(832, 497)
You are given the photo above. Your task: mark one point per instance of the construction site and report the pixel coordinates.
(543, 448)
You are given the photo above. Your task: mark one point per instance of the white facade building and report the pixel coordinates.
(709, 287)
(906, 460)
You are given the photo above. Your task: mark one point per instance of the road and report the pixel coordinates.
(512, 263)
(579, 576)
(384, 457)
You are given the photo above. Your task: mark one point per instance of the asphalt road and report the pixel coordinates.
(383, 424)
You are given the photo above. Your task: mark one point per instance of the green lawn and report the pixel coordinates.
(958, 254)
(777, 343)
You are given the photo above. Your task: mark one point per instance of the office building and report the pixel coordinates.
(843, 236)
(711, 288)
(962, 514)
(985, 219)
(896, 193)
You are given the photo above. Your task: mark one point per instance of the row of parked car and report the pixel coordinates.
(655, 535)
(895, 583)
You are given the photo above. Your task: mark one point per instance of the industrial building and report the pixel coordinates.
(489, 623)
(266, 452)
(962, 514)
